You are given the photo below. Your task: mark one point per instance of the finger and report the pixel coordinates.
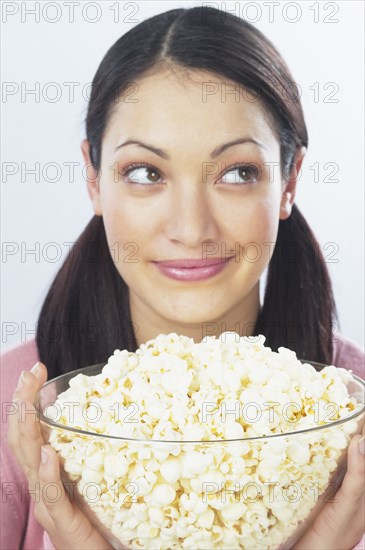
(20, 392)
(27, 447)
(71, 523)
(57, 509)
(26, 389)
(346, 509)
(30, 440)
(39, 370)
(23, 428)
(30, 382)
(52, 490)
(352, 487)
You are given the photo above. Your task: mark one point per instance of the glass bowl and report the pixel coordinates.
(247, 493)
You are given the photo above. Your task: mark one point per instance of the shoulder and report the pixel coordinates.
(348, 355)
(13, 362)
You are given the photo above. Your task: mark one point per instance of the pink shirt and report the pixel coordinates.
(19, 528)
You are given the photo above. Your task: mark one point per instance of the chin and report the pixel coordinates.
(195, 314)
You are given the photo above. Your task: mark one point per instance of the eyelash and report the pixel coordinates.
(134, 165)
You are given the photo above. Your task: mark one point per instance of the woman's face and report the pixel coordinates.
(189, 200)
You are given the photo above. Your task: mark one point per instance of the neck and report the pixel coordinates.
(241, 319)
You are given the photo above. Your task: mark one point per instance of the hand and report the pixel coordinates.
(64, 522)
(341, 523)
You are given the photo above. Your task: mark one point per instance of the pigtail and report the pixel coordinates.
(299, 311)
(85, 315)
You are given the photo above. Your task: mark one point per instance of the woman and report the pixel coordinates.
(191, 187)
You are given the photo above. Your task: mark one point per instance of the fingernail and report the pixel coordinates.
(44, 455)
(35, 370)
(362, 445)
(21, 381)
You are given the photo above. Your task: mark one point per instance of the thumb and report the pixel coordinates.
(353, 483)
(52, 491)
(71, 528)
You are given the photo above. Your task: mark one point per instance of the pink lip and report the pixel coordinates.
(192, 270)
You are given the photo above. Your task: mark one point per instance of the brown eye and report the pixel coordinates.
(141, 174)
(244, 173)
(153, 175)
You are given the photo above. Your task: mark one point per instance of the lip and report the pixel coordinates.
(191, 269)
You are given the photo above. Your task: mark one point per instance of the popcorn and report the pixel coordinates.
(162, 494)
(171, 469)
(233, 512)
(190, 476)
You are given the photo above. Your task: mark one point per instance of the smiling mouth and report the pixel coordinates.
(192, 270)
(192, 263)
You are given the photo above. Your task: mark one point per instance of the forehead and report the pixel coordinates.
(187, 103)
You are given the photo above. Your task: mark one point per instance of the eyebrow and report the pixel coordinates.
(217, 151)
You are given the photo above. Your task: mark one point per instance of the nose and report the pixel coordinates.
(191, 221)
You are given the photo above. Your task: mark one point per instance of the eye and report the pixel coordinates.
(140, 173)
(241, 173)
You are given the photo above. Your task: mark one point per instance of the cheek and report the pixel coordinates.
(255, 229)
(121, 223)
(123, 234)
(127, 217)
(252, 219)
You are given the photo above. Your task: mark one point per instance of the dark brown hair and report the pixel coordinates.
(86, 314)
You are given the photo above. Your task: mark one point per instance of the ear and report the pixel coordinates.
(92, 178)
(290, 186)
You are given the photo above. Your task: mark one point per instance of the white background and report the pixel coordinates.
(316, 51)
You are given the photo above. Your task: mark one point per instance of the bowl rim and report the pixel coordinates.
(318, 366)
